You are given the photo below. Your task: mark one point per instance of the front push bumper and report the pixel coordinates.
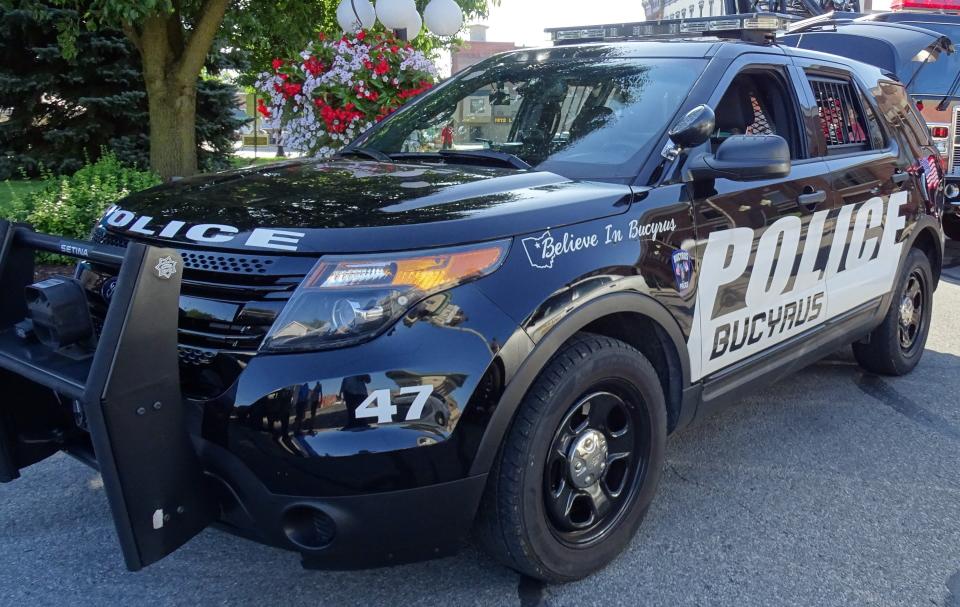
(124, 394)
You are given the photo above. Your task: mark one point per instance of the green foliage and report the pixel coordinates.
(15, 189)
(70, 206)
(62, 111)
(258, 30)
(174, 36)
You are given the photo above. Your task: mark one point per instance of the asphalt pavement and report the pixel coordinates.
(830, 488)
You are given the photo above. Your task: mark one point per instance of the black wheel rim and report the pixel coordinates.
(597, 461)
(912, 310)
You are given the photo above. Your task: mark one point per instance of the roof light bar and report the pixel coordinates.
(672, 28)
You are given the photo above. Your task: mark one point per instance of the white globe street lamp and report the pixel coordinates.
(443, 17)
(396, 14)
(414, 26)
(356, 15)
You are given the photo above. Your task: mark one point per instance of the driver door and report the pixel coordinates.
(761, 280)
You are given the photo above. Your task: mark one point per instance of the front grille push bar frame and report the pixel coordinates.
(128, 391)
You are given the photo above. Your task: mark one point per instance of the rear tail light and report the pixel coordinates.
(940, 132)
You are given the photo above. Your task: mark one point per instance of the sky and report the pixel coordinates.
(523, 21)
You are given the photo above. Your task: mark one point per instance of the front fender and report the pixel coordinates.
(546, 346)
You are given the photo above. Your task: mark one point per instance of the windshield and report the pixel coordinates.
(593, 119)
(935, 78)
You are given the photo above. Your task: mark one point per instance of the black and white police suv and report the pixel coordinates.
(364, 359)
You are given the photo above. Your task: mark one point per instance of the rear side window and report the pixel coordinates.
(877, 140)
(845, 127)
(900, 112)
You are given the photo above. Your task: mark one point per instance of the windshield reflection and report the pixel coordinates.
(581, 118)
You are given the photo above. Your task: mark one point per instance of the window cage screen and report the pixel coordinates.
(839, 114)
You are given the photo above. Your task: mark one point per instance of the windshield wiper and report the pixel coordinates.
(495, 157)
(366, 153)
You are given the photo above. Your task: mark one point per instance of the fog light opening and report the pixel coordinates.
(308, 527)
(952, 191)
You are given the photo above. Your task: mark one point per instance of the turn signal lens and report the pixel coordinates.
(940, 132)
(426, 273)
(345, 300)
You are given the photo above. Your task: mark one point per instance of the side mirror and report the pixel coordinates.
(694, 128)
(743, 158)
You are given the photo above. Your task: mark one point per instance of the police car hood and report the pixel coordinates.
(341, 207)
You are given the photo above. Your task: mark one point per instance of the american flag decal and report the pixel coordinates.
(932, 172)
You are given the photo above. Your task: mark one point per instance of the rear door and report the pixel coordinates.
(873, 173)
(760, 281)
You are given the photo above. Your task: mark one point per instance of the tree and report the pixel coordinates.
(63, 112)
(174, 38)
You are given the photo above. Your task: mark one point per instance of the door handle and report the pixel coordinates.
(810, 200)
(900, 178)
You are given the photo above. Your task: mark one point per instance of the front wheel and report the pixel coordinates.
(580, 464)
(895, 347)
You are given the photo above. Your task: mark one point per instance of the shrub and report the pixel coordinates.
(70, 206)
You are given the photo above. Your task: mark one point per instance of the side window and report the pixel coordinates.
(758, 102)
(899, 112)
(874, 131)
(841, 116)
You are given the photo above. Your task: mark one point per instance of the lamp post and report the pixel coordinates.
(442, 17)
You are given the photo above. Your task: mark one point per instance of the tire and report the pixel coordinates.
(536, 517)
(951, 225)
(896, 346)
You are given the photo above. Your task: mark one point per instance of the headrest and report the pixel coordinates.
(735, 112)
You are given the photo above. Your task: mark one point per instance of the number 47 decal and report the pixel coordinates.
(380, 405)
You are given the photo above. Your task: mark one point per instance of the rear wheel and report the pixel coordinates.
(580, 464)
(895, 347)
(951, 225)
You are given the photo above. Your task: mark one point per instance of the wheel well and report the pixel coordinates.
(926, 242)
(637, 330)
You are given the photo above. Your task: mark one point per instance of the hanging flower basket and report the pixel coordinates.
(335, 90)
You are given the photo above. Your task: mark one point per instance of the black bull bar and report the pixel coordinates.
(127, 391)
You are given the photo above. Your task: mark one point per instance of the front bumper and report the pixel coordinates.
(283, 456)
(345, 532)
(952, 202)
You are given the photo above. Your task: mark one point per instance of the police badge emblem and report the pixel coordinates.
(166, 267)
(682, 269)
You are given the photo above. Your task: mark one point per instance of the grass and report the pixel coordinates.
(240, 162)
(19, 188)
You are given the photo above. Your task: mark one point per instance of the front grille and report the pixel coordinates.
(228, 301)
(233, 264)
(955, 156)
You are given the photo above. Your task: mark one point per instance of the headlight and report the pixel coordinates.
(344, 300)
